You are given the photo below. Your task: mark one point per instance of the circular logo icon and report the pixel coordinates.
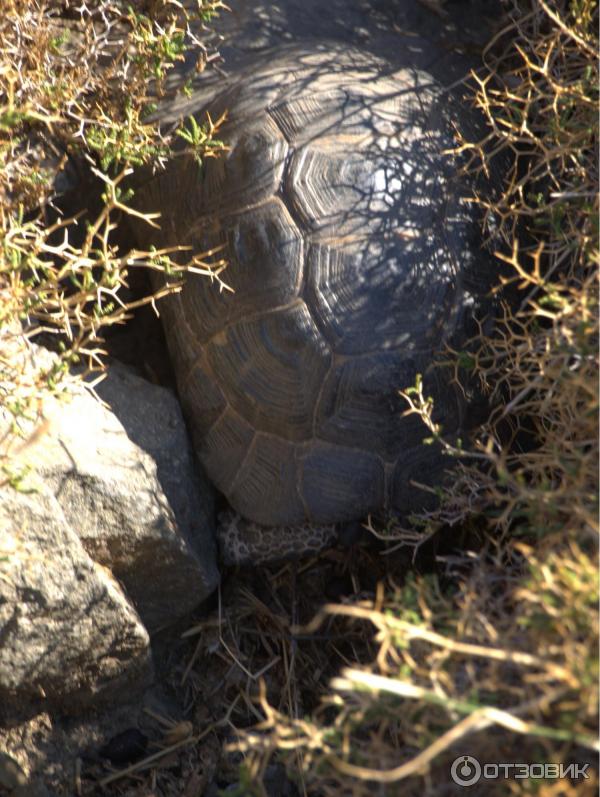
(465, 770)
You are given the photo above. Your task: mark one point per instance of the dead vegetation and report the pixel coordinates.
(475, 636)
(76, 87)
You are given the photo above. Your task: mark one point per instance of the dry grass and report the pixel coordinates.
(76, 85)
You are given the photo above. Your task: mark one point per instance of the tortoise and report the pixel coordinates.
(354, 258)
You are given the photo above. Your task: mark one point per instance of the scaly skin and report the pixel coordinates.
(242, 542)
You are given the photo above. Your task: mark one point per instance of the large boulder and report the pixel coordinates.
(68, 635)
(126, 483)
(106, 533)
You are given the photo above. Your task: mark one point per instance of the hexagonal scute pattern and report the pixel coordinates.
(274, 78)
(340, 484)
(202, 400)
(376, 299)
(360, 405)
(266, 487)
(265, 254)
(271, 369)
(353, 257)
(247, 173)
(184, 347)
(338, 118)
(224, 447)
(341, 195)
(253, 94)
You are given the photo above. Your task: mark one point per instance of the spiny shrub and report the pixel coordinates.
(77, 86)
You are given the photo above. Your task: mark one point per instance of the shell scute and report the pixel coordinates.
(339, 483)
(264, 250)
(271, 368)
(248, 172)
(267, 483)
(361, 406)
(224, 447)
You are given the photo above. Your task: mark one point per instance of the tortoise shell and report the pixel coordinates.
(354, 258)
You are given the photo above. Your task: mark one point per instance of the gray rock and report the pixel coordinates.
(125, 481)
(68, 636)
(177, 540)
(11, 772)
(44, 748)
